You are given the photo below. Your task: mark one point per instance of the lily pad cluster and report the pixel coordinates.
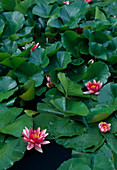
(77, 45)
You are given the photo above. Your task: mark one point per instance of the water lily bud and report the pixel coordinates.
(90, 61)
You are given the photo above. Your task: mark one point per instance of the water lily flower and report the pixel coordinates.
(34, 46)
(35, 138)
(88, 1)
(93, 87)
(66, 2)
(115, 16)
(49, 83)
(104, 127)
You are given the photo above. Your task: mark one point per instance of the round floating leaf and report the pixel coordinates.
(69, 40)
(45, 108)
(108, 95)
(16, 17)
(23, 6)
(97, 50)
(60, 61)
(68, 87)
(52, 49)
(40, 91)
(39, 57)
(13, 62)
(30, 93)
(29, 71)
(9, 5)
(103, 158)
(70, 15)
(99, 14)
(65, 127)
(10, 151)
(10, 29)
(9, 47)
(3, 56)
(7, 87)
(98, 71)
(13, 125)
(42, 10)
(82, 142)
(45, 1)
(99, 113)
(70, 107)
(25, 32)
(75, 164)
(75, 73)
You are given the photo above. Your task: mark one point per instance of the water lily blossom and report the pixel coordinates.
(34, 46)
(88, 1)
(104, 127)
(66, 2)
(93, 87)
(49, 83)
(35, 138)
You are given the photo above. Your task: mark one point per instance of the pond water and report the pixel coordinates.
(51, 158)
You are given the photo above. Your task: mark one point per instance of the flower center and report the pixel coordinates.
(93, 86)
(35, 136)
(104, 126)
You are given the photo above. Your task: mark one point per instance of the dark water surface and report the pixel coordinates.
(51, 159)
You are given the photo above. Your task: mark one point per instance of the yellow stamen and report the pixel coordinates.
(93, 86)
(35, 136)
(105, 127)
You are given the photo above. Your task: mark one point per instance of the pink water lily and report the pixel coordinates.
(34, 46)
(93, 87)
(88, 1)
(35, 138)
(49, 83)
(104, 127)
(66, 2)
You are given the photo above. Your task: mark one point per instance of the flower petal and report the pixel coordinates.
(45, 142)
(30, 146)
(39, 149)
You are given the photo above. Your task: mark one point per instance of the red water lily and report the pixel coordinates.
(93, 87)
(35, 138)
(104, 127)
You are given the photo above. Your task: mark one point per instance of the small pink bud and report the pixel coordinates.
(48, 78)
(91, 61)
